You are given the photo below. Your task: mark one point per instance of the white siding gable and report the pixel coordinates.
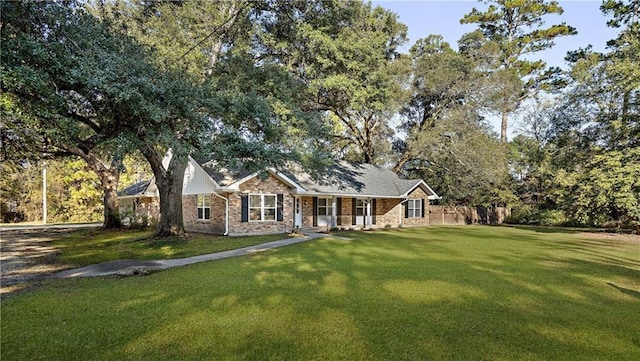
(196, 180)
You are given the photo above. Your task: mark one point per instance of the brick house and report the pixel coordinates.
(139, 203)
(347, 196)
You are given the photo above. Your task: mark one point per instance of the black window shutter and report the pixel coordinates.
(279, 216)
(245, 207)
(315, 211)
(339, 212)
(353, 211)
(406, 209)
(373, 211)
(423, 212)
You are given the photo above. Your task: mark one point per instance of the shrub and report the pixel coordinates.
(551, 217)
(527, 214)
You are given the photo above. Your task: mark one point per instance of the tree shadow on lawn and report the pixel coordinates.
(626, 291)
(481, 316)
(546, 229)
(376, 297)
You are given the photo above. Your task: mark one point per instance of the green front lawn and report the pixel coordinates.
(93, 246)
(436, 293)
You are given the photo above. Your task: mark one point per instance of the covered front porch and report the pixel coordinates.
(326, 212)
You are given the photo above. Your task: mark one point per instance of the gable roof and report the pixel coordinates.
(347, 179)
(230, 179)
(224, 176)
(358, 180)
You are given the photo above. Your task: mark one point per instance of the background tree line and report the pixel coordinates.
(260, 83)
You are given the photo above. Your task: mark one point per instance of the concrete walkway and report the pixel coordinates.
(129, 267)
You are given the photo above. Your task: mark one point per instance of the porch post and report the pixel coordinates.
(333, 212)
(367, 213)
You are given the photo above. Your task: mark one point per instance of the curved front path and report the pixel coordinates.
(128, 267)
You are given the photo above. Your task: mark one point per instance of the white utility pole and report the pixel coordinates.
(44, 193)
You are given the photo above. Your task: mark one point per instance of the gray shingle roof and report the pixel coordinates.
(135, 189)
(342, 178)
(354, 179)
(222, 175)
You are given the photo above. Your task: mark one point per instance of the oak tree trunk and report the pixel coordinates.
(109, 177)
(169, 181)
(170, 189)
(109, 180)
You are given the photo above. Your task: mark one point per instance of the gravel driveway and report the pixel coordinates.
(27, 255)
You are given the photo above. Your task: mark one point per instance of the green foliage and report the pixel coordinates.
(606, 188)
(347, 54)
(77, 197)
(513, 30)
(516, 27)
(21, 192)
(463, 162)
(447, 142)
(528, 214)
(581, 154)
(135, 169)
(73, 192)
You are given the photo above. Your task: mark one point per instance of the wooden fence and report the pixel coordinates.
(467, 215)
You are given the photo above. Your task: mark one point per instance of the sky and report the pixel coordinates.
(425, 17)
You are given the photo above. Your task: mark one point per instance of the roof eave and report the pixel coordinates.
(347, 195)
(432, 196)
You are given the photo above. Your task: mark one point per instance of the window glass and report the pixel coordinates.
(415, 208)
(270, 201)
(360, 207)
(204, 206)
(255, 200)
(324, 207)
(269, 214)
(262, 207)
(254, 214)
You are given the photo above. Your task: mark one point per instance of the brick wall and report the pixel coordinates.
(345, 217)
(388, 212)
(257, 186)
(307, 212)
(216, 224)
(417, 193)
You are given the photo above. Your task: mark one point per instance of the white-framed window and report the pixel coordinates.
(262, 207)
(414, 208)
(325, 207)
(360, 207)
(204, 206)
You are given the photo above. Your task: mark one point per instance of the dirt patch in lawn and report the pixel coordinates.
(621, 237)
(27, 255)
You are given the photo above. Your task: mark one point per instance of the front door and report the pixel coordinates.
(297, 213)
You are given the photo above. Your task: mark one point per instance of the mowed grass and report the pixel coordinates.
(436, 293)
(93, 246)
